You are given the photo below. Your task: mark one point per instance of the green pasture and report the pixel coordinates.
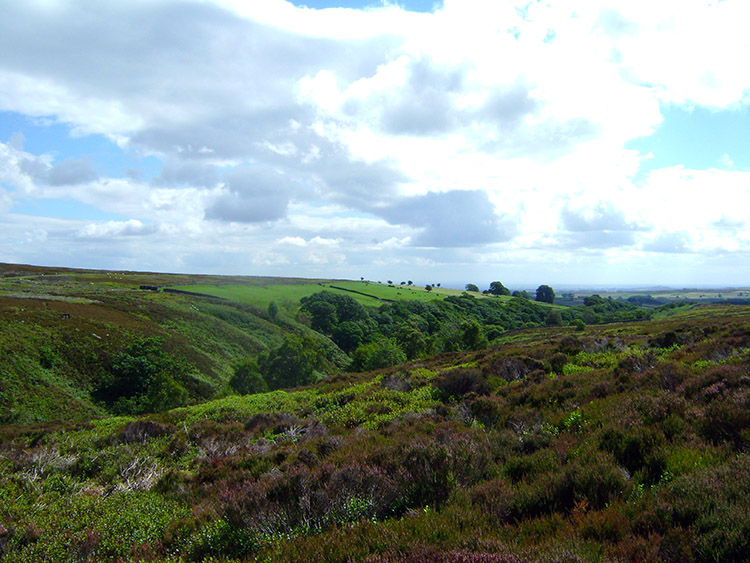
(371, 294)
(686, 294)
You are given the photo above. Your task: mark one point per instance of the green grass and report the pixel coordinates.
(261, 296)
(371, 294)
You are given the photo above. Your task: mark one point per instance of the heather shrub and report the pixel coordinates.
(515, 368)
(557, 362)
(639, 451)
(487, 409)
(713, 502)
(434, 555)
(635, 363)
(456, 383)
(141, 430)
(493, 498)
(570, 346)
(595, 481)
(608, 525)
(524, 466)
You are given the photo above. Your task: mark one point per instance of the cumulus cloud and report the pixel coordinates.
(254, 195)
(672, 243)
(280, 129)
(601, 217)
(115, 229)
(67, 172)
(186, 173)
(5, 201)
(598, 227)
(71, 171)
(727, 225)
(451, 219)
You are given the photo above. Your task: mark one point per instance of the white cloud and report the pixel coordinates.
(113, 229)
(491, 132)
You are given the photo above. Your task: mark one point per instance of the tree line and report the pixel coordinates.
(395, 332)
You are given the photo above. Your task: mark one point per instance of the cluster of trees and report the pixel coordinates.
(405, 330)
(544, 293)
(299, 360)
(145, 378)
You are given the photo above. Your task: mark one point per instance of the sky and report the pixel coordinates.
(584, 142)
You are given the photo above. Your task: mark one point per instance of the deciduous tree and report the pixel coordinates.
(545, 294)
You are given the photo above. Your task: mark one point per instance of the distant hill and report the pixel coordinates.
(62, 330)
(84, 343)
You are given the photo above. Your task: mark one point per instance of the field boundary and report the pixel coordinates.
(193, 293)
(361, 293)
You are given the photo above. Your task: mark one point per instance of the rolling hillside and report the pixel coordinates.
(624, 442)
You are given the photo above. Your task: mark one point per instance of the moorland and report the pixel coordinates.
(167, 417)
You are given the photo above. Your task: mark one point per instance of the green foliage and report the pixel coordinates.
(381, 353)
(545, 294)
(472, 336)
(300, 360)
(144, 378)
(247, 378)
(553, 318)
(273, 310)
(497, 288)
(472, 287)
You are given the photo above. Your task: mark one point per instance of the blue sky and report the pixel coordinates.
(701, 137)
(460, 141)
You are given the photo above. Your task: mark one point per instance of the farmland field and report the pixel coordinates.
(370, 294)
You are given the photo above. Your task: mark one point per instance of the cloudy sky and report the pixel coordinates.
(562, 142)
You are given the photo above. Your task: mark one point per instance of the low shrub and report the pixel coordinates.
(458, 382)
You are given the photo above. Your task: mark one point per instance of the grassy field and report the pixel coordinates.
(371, 294)
(686, 294)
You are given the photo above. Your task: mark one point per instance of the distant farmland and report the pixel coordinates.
(370, 294)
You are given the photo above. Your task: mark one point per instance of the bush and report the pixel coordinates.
(382, 353)
(247, 378)
(144, 378)
(639, 452)
(456, 383)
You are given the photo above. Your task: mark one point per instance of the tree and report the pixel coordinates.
(428, 287)
(472, 287)
(247, 378)
(381, 353)
(323, 315)
(553, 318)
(497, 288)
(298, 361)
(410, 282)
(472, 336)
(143, 379)
(348, 335)
(412, 338)
(545, 294)
(273, 310)
(522, 294)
